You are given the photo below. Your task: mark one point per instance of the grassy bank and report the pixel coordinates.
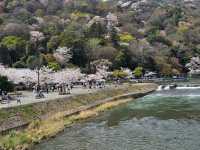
(56, 121)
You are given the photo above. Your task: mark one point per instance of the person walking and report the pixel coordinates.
(68, 89)
(19, 101)
(46, 88)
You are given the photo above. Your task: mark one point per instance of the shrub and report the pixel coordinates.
(125, 37)
(15, 46)
(54, 66)
(120, 60)
(15, 140)
(138, 72)
(6, 85)
(119, 74)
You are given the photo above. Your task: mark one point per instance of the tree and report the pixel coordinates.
(119, 74)
(92, 44)
(63, 55)
(6, 85)
(53, 43)
(114, 37)
(23, 15)
(49, 58)
(194, 66)
(16, 29)
(125, 37)
(36, 61)
(166, 70)
(54, 66)
(101, 67)
(10, 5)
(1, 20)
(36, 39)
(13, 42)
(39, 12)
(54, 6)
(96, 30)
(105, 52)
(119, 60)
(33, 5)
(15, 46)
(138, 72)
(46, 75)
(4, 56)
(37, 36)
(73, 37)
(163, 66)
(141, 53)
(79, 54)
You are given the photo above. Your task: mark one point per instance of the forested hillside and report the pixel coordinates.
(158, 35)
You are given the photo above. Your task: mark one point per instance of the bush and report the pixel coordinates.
(6, 85)
(15, 47)
(125, 37)
(54, 66)
(138, 72)
(13, 42)
(119, 74)
(120, 60)
(15, 140)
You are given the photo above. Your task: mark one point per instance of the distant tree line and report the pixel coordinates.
(32, 33)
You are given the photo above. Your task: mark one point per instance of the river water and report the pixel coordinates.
(164, 120)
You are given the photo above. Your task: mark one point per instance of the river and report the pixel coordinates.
(164, 120)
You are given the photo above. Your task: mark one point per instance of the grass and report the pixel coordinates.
(56, 120)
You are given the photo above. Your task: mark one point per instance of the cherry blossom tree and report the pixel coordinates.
(194, 65)
(67, 76)
(102, 66)
(63, 55)
(128, 72)
(18, 75)
(37, 36)
(46, 75)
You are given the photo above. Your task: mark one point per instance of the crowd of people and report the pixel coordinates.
(41, 90)
(93, 84)
(65, 88)
(61, 88)
(6, 98)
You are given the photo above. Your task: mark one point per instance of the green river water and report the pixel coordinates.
(164, 120)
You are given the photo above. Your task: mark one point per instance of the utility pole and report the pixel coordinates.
(38, 75)
(38, 79)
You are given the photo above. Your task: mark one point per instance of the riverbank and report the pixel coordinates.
(46, 119)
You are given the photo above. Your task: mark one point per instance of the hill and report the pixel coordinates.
(159, 35)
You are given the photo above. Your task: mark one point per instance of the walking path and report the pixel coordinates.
(29, 98)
